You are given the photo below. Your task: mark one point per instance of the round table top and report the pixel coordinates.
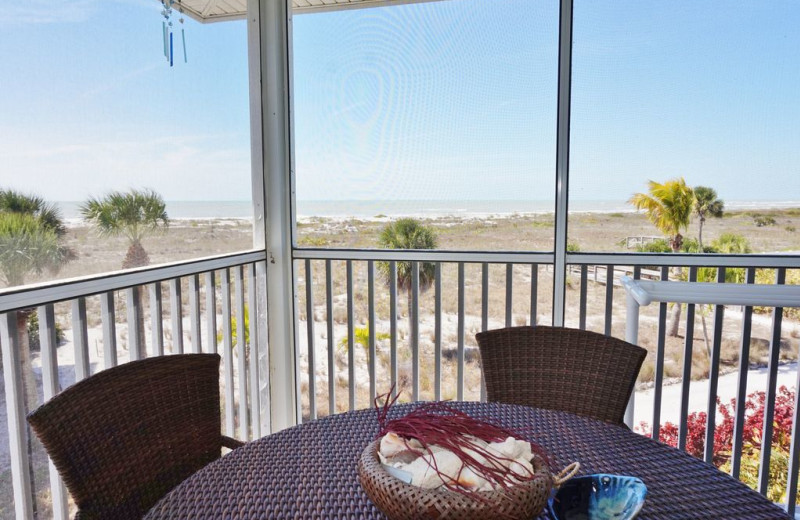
(309, 471)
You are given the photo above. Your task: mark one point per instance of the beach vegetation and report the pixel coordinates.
(668, 207)
(361, 337)
(764, 220)
(706, 204)
(573, 247)
(313, 241)
(235, 327)
(656, 246)
(31, 241)
(542, 223)
(790, 229)
(33, 333)
(754, 408)
(134, 215)
(408, 233)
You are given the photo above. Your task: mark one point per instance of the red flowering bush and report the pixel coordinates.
(723, 433)
(751, 433)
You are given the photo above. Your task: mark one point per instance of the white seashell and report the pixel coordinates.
(513, 448)
(468, 479)
(425, 476)
(392, 444)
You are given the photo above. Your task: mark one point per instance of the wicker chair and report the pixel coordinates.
(557, 368)
(123, 438)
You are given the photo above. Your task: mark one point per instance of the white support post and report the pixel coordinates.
(269, 41)
(562, 162)
(631, 336)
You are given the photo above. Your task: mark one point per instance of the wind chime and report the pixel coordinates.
(166, 27)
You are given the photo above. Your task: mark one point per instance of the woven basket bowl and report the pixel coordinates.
(401, 501)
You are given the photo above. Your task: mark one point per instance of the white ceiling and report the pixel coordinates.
(219, 10)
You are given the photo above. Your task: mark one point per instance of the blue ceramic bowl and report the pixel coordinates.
(598, 497)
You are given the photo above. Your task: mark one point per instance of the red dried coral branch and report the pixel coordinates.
(436, 423)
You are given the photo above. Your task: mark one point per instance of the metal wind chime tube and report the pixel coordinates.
(166, 26)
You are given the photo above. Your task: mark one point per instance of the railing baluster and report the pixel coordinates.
(136, 347)
(437, 333)
(331, 343)
(227, 351)
(194, 314)
(582, 304)
(460, 376)
(80, 339)
(373, 362)
(609, 312)
(157, 319)
(772, 385)
(509, 293)
(50, 387)
(252, 376)
(413, 321)
(393, 324)
(741, 388)
(176, 314)
(534, 293)
(688, 343)
(661, 342)
(713, 374)
(484, 315)
(241, 349)
(312, 384)
(15, 410)
(351, 347)
(794, 452)
(211, 312)
(109, 329)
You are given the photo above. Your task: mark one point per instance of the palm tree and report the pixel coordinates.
(409, 233)
(706, 203)
(669, 208)
(30, 243)
(133, 215)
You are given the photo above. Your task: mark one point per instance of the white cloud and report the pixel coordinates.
(48, 11)
(200, 167)
(56, 11)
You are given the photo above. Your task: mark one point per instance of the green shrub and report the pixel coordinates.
(764, 220)
(313, 241)
(656, 246)
(33, 332)
(361, 337)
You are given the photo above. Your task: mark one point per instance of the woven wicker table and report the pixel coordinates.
(309, 471)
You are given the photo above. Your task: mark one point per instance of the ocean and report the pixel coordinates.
(396, 208)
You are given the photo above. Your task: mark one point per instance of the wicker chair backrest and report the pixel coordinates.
(559, 368)
(124, 437)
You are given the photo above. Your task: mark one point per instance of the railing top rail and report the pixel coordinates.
(421, 255)
(648, 291)
(50, 292)
(686, 259)
(547, 257)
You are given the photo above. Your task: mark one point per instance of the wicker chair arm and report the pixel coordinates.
(231, 443)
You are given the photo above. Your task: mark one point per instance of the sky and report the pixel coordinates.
(445, 100)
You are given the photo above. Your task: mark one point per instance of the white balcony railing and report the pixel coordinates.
(421, 341)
